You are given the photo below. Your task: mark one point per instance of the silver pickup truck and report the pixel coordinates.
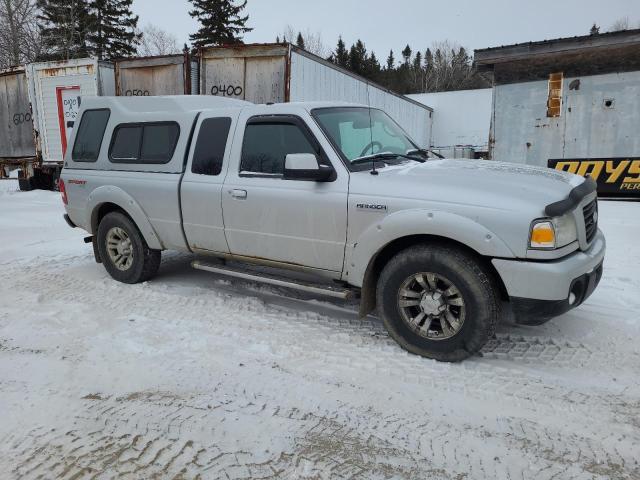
(338, 191)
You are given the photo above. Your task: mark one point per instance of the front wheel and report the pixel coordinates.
(123, 250)
(438, 302)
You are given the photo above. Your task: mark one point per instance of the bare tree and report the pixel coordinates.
(620, 24)
(448, 67)
(312, 40)
(19, 35)
(156, 41)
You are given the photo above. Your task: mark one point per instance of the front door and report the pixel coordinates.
(291, 221)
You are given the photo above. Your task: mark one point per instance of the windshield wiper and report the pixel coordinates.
(384, 156)
(426, 151)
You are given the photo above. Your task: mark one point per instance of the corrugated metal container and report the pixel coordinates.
(55, 89)
(163, 75)
(16, 132)
(284, 73)
(599, 118)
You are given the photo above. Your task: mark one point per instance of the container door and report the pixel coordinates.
(255, 79)
(16, 136)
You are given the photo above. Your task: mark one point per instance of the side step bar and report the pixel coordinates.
(326, 290)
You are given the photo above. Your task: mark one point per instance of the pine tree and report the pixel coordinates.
(220, 22)
(358, 58)
(300, 41)
(64, 26)
(341, 56)
(595, 29)
(113, 28)
(391, 61)
(406, 54)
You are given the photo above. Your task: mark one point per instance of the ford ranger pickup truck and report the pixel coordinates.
(338, 193)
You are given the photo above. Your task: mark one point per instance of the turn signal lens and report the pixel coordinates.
(543, 235)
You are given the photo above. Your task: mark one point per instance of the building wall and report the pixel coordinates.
(459, 118)
(586, 127)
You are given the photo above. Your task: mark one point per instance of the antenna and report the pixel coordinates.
(373, 160)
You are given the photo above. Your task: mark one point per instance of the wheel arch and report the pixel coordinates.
(392, 248)
(102, 202)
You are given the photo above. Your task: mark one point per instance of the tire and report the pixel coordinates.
(25, 184)
(144, 261)
(460, 289)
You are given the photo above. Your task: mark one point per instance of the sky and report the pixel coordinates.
(392, 24)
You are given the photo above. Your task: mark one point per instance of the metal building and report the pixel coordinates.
(461, 121)
(284, 73)
(570, 103)
(161, 75)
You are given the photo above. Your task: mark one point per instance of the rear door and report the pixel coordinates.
(201, 188)
(290, 221)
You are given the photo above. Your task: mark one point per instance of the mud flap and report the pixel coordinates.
(94, 242)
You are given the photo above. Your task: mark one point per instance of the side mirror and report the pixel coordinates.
(305, 166)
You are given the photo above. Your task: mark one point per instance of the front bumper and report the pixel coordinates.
(541, 290)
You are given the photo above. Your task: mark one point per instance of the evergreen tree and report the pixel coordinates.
(220, 22)
(406, 54)
(64, 26)
(595, 29)
(341, 56)
(300, 41)
(113, 28)
(391, 61)
(358, 58)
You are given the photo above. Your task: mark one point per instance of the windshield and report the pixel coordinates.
(357, 135)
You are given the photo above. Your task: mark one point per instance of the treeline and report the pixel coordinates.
(441, 67)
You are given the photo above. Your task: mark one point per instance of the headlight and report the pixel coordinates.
(553, 233)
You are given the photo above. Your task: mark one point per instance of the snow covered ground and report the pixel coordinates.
(193, 376)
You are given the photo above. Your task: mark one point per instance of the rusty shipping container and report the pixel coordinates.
(17, 143)
(162, 75)
(54, 95)
(284, 73)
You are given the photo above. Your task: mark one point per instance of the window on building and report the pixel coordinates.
(554, 101)
(267, 144)
(210, 147)
(89, 137)
(144, 142)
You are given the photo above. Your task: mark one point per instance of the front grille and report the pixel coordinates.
(590, 212)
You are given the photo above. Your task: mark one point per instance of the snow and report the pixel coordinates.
(191, 374)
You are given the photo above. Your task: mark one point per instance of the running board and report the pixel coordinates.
(270, 279)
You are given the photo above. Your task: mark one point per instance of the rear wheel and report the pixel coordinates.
(123, 250)
(438, 302)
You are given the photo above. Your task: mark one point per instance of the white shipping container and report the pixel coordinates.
(55, 91)
(284, 73)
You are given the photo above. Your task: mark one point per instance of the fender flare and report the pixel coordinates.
(117, 196)
(421, 221)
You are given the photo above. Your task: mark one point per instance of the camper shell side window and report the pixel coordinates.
(144, 143)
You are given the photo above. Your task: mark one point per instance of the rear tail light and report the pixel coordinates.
(63, 191)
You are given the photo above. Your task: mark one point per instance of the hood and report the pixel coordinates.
(496, 185)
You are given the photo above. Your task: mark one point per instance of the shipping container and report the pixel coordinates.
(284, 73)
(17, 143)
(54, 94)
(162, 75)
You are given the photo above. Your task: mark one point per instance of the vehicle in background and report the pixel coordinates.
(340, 193)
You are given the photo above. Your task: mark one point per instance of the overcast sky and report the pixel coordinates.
(385, 24)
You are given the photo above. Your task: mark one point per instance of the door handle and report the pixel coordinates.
(241, 194)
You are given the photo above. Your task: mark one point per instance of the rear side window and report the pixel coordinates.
(210, 146)
(89, 136)
(144, 142)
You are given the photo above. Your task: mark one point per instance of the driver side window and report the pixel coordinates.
(266, 144)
